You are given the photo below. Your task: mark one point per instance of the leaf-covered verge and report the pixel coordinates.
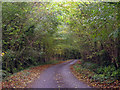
(92, 78)
(24, 78)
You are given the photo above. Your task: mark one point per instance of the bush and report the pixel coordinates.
(8, 61)
(109, 71)
(99, 77)
(78, 67)
(90, 65)
(14, 61)
(116, 74)
(103, 58)
(51, 62)
(4, 73)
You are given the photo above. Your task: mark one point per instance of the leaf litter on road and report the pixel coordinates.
(24, 78)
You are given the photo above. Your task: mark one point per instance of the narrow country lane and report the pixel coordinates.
(58, 76)
(35, 36)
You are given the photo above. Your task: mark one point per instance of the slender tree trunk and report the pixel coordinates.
(101, 47)
(95, 46)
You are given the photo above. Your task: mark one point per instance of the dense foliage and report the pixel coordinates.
(34, 33)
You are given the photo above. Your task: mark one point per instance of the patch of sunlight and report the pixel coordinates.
(64, 31)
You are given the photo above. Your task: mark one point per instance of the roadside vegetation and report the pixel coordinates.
(97, 76)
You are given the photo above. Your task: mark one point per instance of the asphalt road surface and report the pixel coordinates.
(58, 76)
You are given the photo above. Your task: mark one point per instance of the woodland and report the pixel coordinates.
(38, 33)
